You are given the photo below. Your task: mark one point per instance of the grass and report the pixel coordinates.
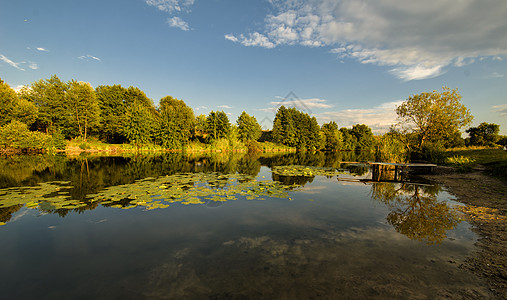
(494, 159)
(480, 155)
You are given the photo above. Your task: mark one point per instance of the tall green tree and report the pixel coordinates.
(296, 129)
(217, 125)
(284, 131)
(332, 137)
(140, 124)
(176, 123)
(111, 101)
(248, 127)
(83, 106)
(364, 137)
(49, 96)
(486, 134)
(13, 107)
(434, 117)
(349, 139)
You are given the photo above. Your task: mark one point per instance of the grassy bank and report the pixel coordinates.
(465, 159)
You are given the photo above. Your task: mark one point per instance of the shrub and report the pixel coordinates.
(16, 135)
(390, 149)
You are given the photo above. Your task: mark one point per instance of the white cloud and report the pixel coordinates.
(10, 62)
(231, 37)
(500, 109)
(42, 49)
(495, 75)
(418, 40)
(171, 6)
(178, 23)
(225, 106)
(89, 57)
(201, 107)
(309, 103)
(253, 39)
(33, 66)
(378, 118)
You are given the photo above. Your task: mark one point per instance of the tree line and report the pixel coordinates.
(50, 111)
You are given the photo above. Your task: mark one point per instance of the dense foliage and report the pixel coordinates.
(296, 129)
(48, 112)
(486, 134)
(434, 118)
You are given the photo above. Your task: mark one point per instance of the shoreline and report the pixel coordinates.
(486, 210)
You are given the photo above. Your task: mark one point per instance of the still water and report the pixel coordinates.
(238, 226)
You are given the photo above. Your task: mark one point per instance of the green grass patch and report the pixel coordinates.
(465, 159)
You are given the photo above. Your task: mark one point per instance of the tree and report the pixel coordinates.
(248, 127)
(296, 129)
(349, 139)
(14, 108)
(332, 137)
(363, 136)
(83, 106)
(139, 126)
(284, 131)
(486, 134)
(217, 125)
(176, 123)
(111, 101)
(49, 96)
(435, 117)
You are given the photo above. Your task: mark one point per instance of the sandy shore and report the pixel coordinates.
(486, 210)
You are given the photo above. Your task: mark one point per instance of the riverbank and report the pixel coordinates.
(486, 200)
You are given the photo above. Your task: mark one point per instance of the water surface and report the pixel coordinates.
(294, 226)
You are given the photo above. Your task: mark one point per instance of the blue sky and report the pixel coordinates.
(350, 61)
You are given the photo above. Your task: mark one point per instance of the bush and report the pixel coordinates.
(253, 146)
(390, 149)
(16, 135)
(430, 152)
(84, 146)
(58, 141)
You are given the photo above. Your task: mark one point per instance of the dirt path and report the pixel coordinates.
(486, 210)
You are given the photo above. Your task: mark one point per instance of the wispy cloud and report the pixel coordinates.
(171, 6)
(42, 49)
(500, 109)
(11, 63)
(89, 57)
(225, 106)
(379, 118)
(416, 39)
(309, 103)
(33, 66)
(253, 39)
(495, 75)
(178, 23)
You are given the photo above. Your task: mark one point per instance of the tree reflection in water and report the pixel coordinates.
(415, 210)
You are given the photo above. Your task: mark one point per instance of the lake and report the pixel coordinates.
(226, 226)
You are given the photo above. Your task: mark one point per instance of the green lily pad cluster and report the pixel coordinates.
(150, 193)
(307, 171)
(46, 195)
(191, 188)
